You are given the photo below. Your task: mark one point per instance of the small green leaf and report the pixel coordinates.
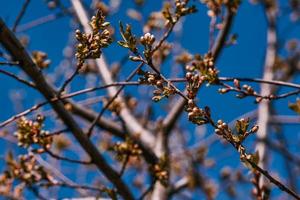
(241, 126)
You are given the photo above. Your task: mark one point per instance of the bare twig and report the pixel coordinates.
(125, 162)
(58, 157)
(30, 84)
(258, 80)
(20, 15)
(55, 99)
(222, 36)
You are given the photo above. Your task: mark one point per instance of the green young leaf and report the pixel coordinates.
(129, 40)
(241, 126)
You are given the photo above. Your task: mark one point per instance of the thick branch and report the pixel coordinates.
(266, 89)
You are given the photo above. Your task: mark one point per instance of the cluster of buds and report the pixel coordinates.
(224, 131)
(248, 89)
(244, 91)
(125, 149)
(150, 78)
(26, 170)
(163, 88)
(8, 189)
(205, 66)
(160, 171)
(162, 91)
(147, 40)
(181, 9)
(242, 131)
(129, 40)
(236, 140)
(195, 114)
(194, 82)
(160, 174)
(242, 126)
(30, 132)
(90, 44)
(40, 59)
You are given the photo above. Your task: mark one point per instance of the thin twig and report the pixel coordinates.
(37, 106)
(11, 63)
(274, 180)
(30, 84)
(127, 157)
(221, 38)
(58, 157)
(20, 15)
(259, 80)
(136, 83)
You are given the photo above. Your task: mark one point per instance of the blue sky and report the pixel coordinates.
(245, 59)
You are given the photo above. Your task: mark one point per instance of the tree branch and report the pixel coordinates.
(266, 89)
(178, 107)
(14, 47)
(134, 126)
(20, 15)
